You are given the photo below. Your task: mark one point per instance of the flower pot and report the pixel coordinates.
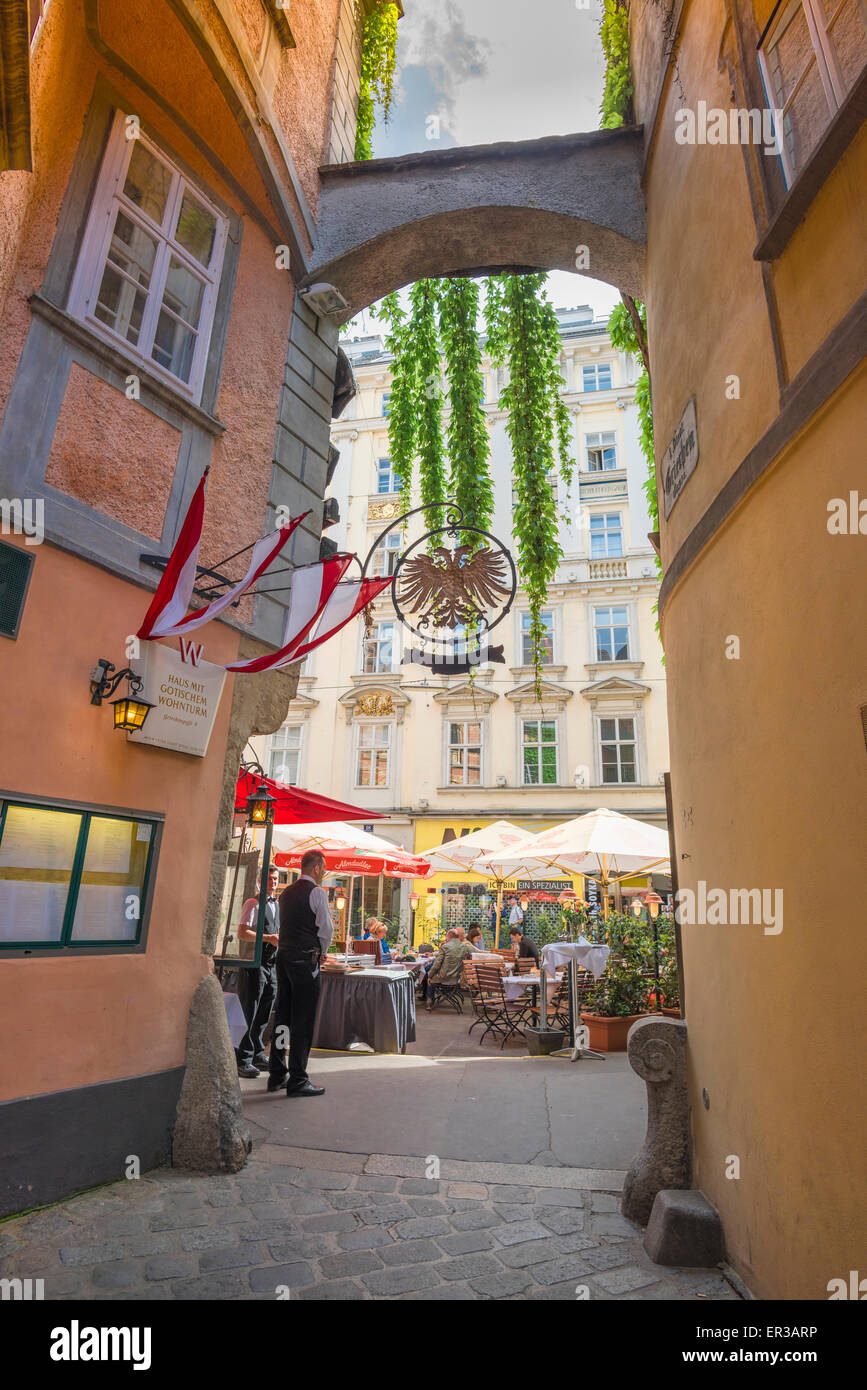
(672, 1013)
(541, 1042)
(608, 1034)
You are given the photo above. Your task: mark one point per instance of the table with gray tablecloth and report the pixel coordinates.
(368, 1006)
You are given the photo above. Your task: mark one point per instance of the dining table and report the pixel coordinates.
(373, 1007)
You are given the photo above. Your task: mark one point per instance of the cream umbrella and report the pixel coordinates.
(495, 844)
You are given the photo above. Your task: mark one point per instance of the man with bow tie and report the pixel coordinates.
(258, 987)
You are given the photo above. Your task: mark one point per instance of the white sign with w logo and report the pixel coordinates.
(185, 693)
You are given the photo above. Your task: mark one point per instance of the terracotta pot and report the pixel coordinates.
(672, 1013)
(609, 1034)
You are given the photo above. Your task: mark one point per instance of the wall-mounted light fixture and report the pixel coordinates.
(130, 712)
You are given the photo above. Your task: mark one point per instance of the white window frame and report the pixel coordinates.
(392, 478)
(464, 721)
(595, 368)
(601, 436)
(635, 742)
(374, 747)
(389, 546)
(384, 404)
(522, 633)
(630, 652)
(374, 638)
(558, 746)
(279, 749)
(604, 532)
(827, 67)
(107, 199)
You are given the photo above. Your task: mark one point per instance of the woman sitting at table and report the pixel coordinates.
(374, 930)
(476, 938)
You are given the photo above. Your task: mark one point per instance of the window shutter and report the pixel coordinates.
(15, 568)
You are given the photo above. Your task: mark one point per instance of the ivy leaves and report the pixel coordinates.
(378, 57)
(616, 108)
(467, 434)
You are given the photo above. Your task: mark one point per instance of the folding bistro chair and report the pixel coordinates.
(503, 1017)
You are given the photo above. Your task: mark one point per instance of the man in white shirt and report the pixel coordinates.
(257, 988)
(516, 916)
(305, 935)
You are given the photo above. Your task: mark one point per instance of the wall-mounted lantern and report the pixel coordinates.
(130, 711)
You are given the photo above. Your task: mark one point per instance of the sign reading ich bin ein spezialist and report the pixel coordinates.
(185, 695)
(680, 458)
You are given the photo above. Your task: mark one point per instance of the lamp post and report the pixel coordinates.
(653, 902)
(260, 811)
(413, 908)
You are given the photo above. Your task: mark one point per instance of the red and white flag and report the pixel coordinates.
(168, 614)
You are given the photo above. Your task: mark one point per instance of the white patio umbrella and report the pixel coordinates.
(495, 844)
(601, 844)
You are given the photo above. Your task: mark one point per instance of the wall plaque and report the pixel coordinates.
(680, 458)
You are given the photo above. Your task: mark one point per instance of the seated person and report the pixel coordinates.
(374, 930)
(476, 939)
(447, 964)
(522, 944)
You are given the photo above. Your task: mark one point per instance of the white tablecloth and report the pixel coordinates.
(517, 985)
(590, 957)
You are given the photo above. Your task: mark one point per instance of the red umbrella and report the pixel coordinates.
(295, 806)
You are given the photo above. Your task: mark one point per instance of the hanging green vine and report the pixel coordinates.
(616, 108)
(472, 486)
(423, 335)
(378, 59)
(523, 335)
(402, 404)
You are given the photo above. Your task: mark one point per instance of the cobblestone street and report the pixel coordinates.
(347, 1226)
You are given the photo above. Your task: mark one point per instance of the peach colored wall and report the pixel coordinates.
(302, 95)
(112, 453)
(110, 1016)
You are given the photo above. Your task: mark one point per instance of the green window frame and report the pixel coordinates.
(87, 865)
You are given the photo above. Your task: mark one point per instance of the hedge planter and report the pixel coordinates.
(608, 1034)
(672, 1013)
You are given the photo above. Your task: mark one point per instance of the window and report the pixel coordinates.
(374, 749)
(539, 752)
(285, 760)
(597, 378)
(378, 655)
(612, 634)
(384, 406)
(72, 878)
(810, 60)
(601, 451)
(551, 475)
(150, 261)
(465, 755)
(547, 619)
(617, 744)
(606, 535)
(386, 478)
(386, 555)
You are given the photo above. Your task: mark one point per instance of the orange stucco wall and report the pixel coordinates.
(105, 1017)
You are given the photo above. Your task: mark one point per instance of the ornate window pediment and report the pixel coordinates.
(373, 701)
(466, 699)
(616, 691)
(553, 700)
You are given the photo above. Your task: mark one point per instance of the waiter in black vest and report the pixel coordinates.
(305, 935)
(257, 988)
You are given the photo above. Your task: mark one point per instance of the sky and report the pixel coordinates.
(495, 70)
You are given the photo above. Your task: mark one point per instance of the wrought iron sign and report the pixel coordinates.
(451, 595)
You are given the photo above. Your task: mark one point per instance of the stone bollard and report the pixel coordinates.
(656, 1048)
(211, 1134)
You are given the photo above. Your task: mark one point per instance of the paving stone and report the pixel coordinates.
(604, 1201)
(9, 1242)
(337, 1181)
(556, 1271)
(466, 1242)
(44, 1225)
(118, 1274)
(293, 1276)
(465, 1204)
(419, 1187)
(563, 1220)
(442, 1293)
(559, 1197)
(349, 1201)
(568, 1245)
(35, 1259)
(505, 1192)
(430, 1206)
(370, 1182)
(625, 1280)
(157, 1243)
(236, 1258)
(169, 1267)
(512, 1211)
(224, 1198)
(607, 1257)
(365, 1238)
(270, 1211)
(563, 1293)
(177, 1220)
(292, 1248)
(532, 1252)
(476, 1190)
(704, 1282)
(65, 1283)
(90, 1208)
(473, 1220)
(208, 1286)
(501, 1285)
(382, 1199)
(350, 1263)
(384, 1216)
(420, 1226)
(468, 1267)
(612, 1224)
(232, 1216)
(337, 1221)
(209, 1239)
(309, 1204)
(401, 1280)
(92, 1254)
(187, 1200)
(408, 1252)
(267, 1230)
(123, 1223)
(520, 1231)
(338, 1291)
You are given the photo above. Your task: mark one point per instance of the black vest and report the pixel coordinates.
(297, 920)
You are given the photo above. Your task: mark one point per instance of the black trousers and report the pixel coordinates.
(297, 997)
(257, 990)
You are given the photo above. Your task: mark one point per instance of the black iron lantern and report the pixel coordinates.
(260, 806)
(130, 711)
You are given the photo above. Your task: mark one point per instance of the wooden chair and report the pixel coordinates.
(524, 964)
(503, 1017)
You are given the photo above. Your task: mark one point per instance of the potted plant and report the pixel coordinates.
(669, 982)
(619, 996)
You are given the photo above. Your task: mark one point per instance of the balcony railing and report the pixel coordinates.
(608, 569)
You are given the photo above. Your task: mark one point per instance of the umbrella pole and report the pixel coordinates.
(499, 913)
(605, 887)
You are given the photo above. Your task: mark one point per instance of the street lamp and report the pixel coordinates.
(525, 902)
(260, 811)
(637, 906)
(413, 901)
(653, 903)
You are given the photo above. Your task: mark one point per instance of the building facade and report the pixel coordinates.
(441, 753)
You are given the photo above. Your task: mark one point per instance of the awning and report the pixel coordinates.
(295, 806)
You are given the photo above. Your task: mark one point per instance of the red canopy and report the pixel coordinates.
(397, 865)
(296, 806)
